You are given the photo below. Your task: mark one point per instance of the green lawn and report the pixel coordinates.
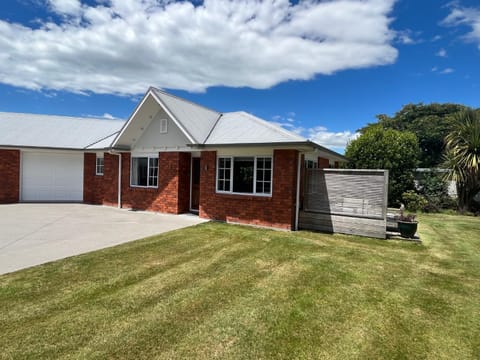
(224, 291)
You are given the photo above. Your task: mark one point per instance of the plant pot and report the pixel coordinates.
(407, 229)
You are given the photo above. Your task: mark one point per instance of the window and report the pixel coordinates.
(144, 171)
(245, 175)
(99, 166)
(163, 126)
(310, 164)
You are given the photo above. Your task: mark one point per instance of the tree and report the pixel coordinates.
(430, 123)
(462, 156)
(389, 149)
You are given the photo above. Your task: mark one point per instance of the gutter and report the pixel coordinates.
(119, 190)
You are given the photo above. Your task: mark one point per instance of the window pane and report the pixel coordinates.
(267, 188)
(139, 171)
(259, 187)
(243, 175)
(259, 174)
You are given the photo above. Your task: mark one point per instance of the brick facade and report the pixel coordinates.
(276, 211)
(173, 192)
(9, 176)
(100, 189)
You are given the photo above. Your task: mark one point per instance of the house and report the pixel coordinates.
(171, 156)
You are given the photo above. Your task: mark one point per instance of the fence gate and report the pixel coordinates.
(345, 201)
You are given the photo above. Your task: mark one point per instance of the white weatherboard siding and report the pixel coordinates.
(52, 176)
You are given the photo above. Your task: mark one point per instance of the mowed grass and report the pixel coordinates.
(226, 291)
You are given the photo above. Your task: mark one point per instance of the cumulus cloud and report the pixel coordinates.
(124, 46)
(319, 134)
(333, 140)
(468, 16)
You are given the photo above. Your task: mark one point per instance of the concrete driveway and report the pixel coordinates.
(32, 234)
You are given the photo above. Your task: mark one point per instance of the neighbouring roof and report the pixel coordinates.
(62, 132)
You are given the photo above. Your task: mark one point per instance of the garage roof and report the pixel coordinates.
(58, 132)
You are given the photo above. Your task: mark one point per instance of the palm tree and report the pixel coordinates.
(462, 156)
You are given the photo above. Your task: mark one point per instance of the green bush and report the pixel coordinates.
(414, 201)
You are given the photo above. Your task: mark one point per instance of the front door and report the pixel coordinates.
(195, 187)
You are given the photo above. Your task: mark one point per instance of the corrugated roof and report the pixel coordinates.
(49, 131)
(243, 128)
(196, 120)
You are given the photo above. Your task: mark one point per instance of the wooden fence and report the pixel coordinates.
(345, 201)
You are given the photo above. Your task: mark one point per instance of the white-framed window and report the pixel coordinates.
(144, 171)
(244, 175)
(163, 126)
(99, 165)
(310, 164)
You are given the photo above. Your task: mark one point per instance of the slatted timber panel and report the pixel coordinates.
(345, 201)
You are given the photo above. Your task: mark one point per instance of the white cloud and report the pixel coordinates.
(333, 140)
(66, 7)
(442, 53)
(124, 46)
(465, 16)
(447, 71)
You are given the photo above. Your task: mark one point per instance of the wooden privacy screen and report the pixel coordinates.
(345, 201)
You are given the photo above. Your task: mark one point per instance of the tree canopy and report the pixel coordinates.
(430, 123)
(462, 156)
(394, 150)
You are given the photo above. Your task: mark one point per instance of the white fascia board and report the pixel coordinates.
(175, 120)
(130, 119)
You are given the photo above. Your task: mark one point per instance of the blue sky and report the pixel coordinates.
(321, 68)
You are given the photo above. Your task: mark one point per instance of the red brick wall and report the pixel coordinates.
(100, 189)
(172, 194)
(9, 176)
(275, 211)
(323, 163)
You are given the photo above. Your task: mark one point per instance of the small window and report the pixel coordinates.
(144, 171)
(99, 166)
(245, 175)
(163, 126)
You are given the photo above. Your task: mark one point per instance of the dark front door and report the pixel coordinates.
(195, 190)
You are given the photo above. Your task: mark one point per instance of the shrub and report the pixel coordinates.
(414, 201)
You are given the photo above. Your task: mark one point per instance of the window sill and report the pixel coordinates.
(139, 187)
(244, 196)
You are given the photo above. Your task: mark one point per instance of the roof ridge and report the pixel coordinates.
(103, 138)
(184, 100)
(213, 127)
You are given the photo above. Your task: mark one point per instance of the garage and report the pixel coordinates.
(52, 176)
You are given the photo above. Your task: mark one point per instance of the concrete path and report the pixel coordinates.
(32, 234)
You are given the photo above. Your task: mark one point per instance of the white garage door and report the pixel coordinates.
(52, 176)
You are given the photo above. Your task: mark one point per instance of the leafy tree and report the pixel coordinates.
(430, 123)
(394, 150)
(462, 156)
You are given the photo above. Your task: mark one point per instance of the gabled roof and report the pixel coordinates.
(57, 132)
(244, 128)
(197, 121)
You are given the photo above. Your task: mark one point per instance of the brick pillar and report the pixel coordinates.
(9, 176)
(207, 182)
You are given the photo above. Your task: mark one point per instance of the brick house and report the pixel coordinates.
(170, 156)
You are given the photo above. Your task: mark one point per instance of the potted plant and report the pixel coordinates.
(407, 225)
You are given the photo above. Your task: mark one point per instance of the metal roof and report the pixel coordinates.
(51, 131)
(243, 128)
(197, 120)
